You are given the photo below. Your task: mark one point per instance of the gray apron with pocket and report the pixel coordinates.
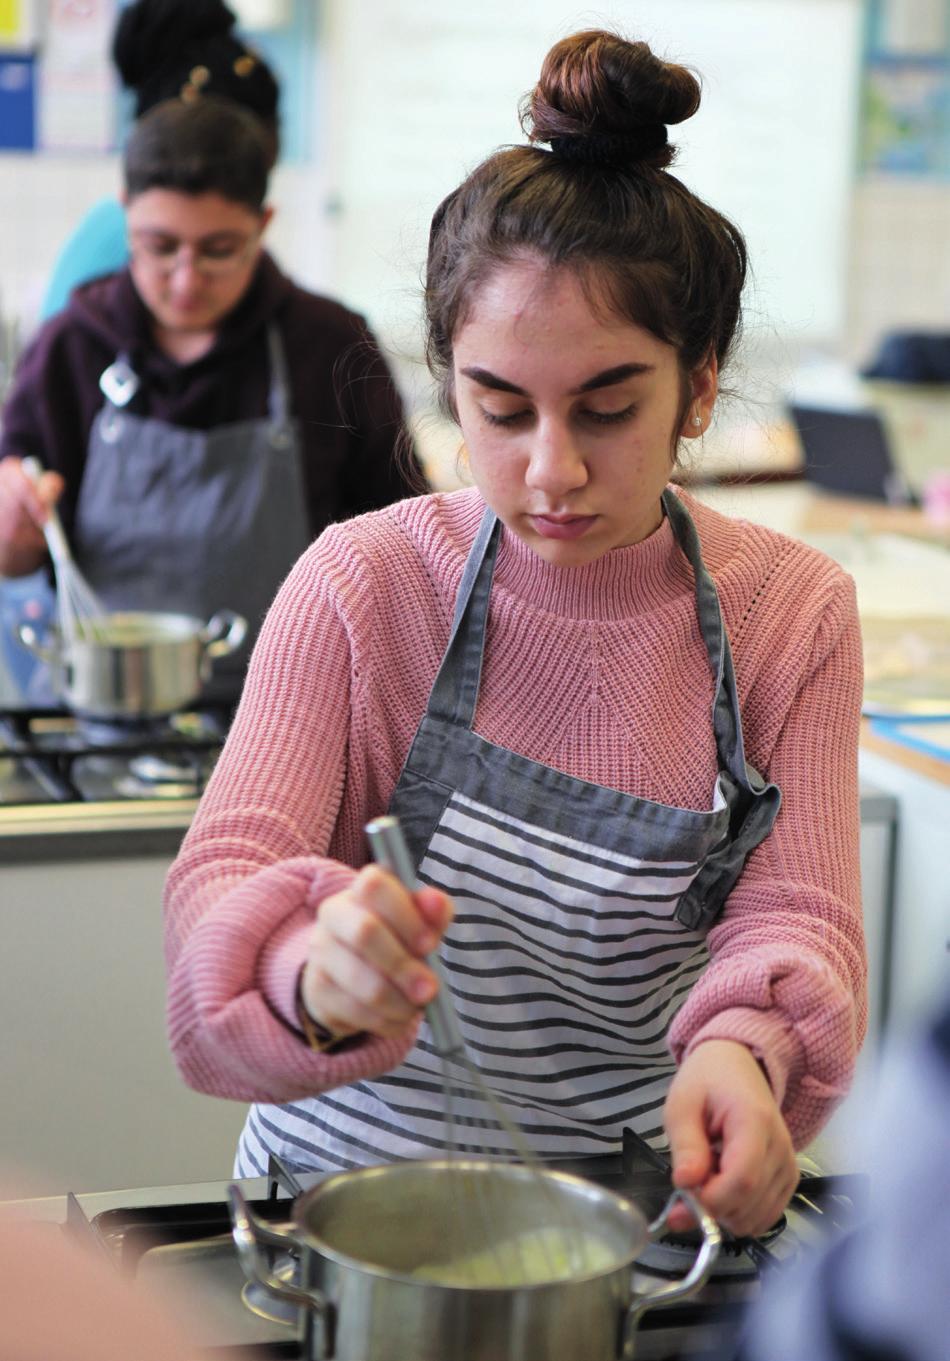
(192, 521)
(581, 918)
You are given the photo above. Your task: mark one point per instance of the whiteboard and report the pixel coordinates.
(421, 90)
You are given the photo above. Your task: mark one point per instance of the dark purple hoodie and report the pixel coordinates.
(342, 394)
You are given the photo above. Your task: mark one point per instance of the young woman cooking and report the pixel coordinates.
(202, 416)
(584, 694)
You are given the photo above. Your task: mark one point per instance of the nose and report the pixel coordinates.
(186, 265)
(556, 462)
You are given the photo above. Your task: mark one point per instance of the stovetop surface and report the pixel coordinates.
(183, 1248)
(49, 755)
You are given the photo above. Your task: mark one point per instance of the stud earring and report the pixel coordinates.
(697, 420)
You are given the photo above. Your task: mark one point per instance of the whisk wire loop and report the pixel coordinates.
(81, 615)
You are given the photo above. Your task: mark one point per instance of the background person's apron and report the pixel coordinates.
(581, 916)
(192, 521)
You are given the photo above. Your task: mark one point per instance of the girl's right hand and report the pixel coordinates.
(365, 968)
(24, 509)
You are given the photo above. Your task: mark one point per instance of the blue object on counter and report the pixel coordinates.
(930, 734)
(30, 599)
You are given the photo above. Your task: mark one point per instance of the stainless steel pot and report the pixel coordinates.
(360, 1236)
(150, 664)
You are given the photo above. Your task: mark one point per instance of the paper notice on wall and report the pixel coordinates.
(18, 23)
(77, 105)
(10, 18)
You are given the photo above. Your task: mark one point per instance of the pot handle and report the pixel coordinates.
(251, 1235)
(30, 639)
(690, 1283)
(234, 628)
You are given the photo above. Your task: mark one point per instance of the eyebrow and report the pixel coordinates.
(607, 378)
(222, 234)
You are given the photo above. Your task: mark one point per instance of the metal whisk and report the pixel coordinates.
(563, 1246)
(81, 616)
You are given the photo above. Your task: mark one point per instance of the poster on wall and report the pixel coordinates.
(77, 82)
(905, 105)
(18, 23)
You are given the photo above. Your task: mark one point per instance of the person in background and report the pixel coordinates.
(880, 1292)
(202, 416)
(583, 693)
(164, 49)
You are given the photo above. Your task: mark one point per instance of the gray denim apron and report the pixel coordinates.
(192, 521)
(581, 917)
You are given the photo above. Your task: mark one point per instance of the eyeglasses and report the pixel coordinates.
(163, 254)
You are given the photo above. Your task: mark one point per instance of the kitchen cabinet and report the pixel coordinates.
(917, 965)
(89, 1095)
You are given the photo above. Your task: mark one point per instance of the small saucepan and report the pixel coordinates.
(379, 1250)
(141, 664)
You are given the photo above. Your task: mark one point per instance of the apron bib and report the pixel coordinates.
(580, 927)
(192, 521)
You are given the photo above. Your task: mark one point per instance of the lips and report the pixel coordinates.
(562, 526)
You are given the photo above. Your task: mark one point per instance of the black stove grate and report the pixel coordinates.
(49, 742)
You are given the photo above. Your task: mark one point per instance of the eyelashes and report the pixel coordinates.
(601, 418)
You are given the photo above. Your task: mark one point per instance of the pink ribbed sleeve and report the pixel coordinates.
(243, 891)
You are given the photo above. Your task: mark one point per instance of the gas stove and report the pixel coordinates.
(183, 1248)
(51, 756)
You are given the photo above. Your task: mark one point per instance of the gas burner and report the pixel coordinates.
(160, 777)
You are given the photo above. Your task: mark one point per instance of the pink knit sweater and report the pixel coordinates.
(598, 671)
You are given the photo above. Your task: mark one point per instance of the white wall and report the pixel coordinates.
(423, 92)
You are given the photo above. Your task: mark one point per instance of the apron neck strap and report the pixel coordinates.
(119, 382)
(278, 399)
(455, 689)
(726, 715)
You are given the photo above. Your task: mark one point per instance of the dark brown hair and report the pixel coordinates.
(211, 146)
(600, 202)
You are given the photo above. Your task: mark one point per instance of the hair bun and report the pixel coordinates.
(151, 33)
(185, 49)
(601, 99)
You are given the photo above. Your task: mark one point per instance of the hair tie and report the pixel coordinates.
(610, 148)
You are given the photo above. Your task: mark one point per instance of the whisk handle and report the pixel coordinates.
(53, 528)
(391, 852)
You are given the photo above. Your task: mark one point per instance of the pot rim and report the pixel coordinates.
(181, 629)
(624, 1204)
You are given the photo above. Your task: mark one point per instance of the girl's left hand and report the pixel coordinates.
(728, 1141)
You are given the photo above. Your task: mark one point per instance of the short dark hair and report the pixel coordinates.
(600, 203)
(208, 146)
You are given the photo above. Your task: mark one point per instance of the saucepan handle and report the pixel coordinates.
(251, 1236)
(690, 1283)
(232, 626)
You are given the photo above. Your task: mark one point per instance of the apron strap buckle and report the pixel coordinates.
(119, 383)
